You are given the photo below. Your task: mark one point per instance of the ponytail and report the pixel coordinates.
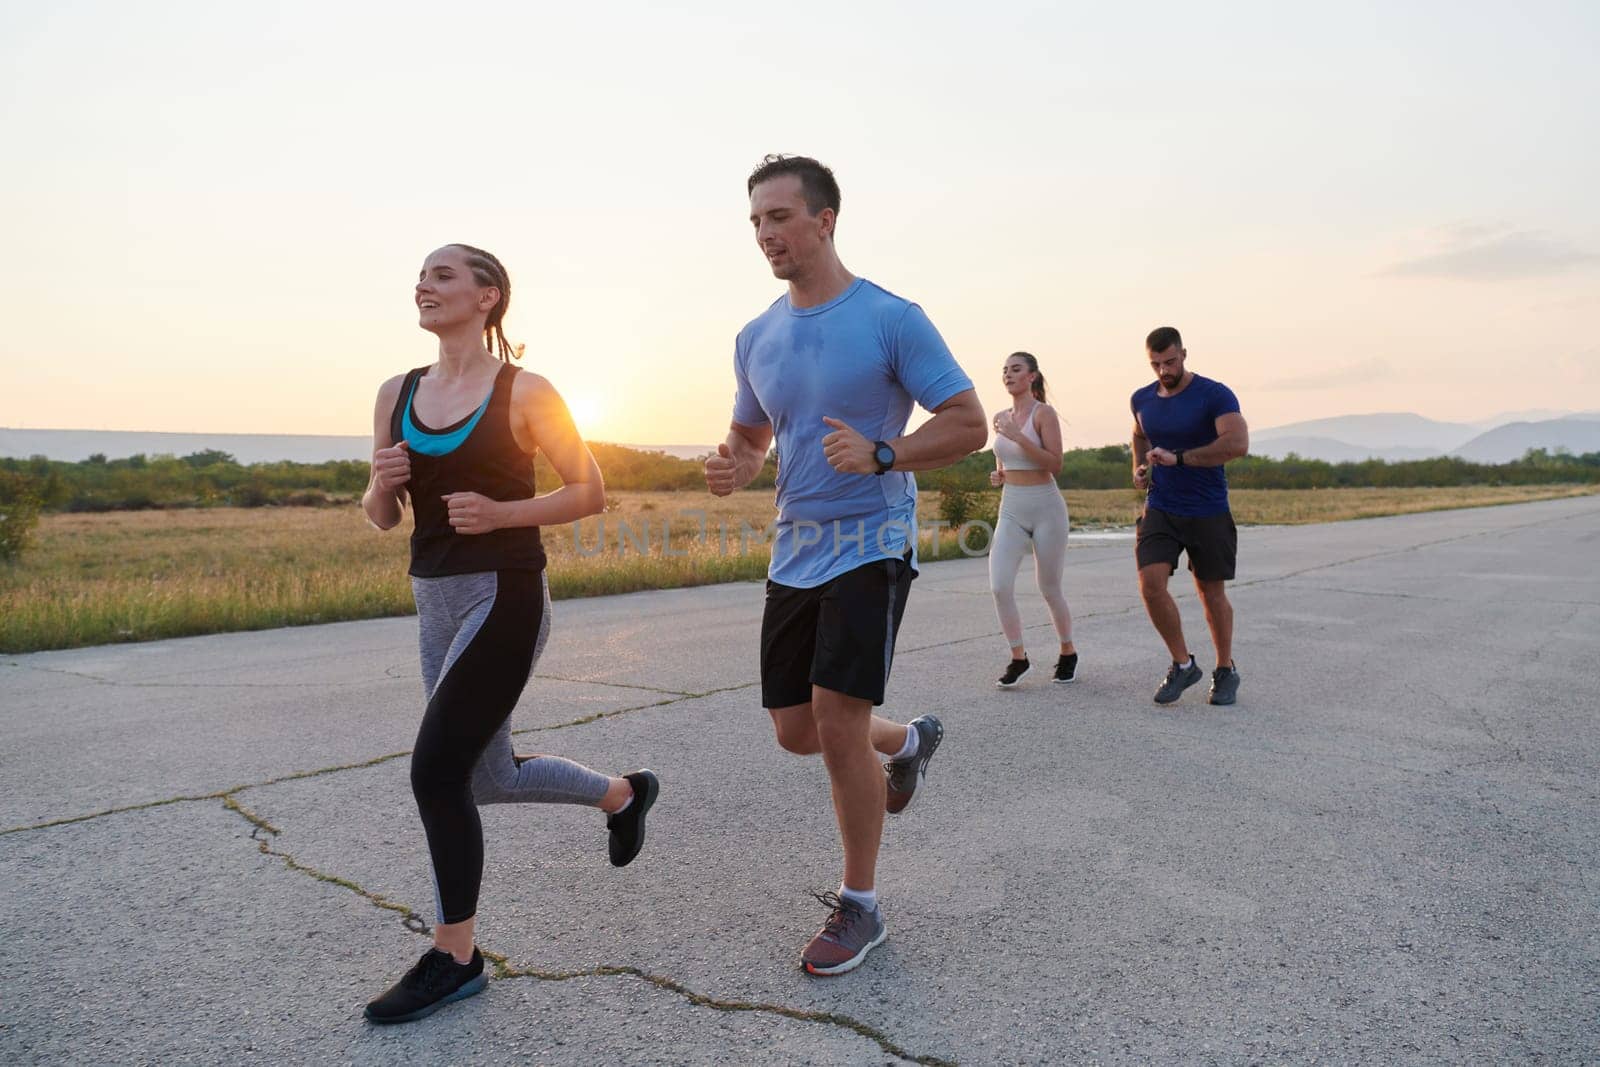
(1033, 364)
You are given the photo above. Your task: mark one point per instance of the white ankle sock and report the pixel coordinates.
(867, 898)
(624, 807)
(909, 749)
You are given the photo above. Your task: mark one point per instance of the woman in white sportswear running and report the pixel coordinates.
(1027, 455)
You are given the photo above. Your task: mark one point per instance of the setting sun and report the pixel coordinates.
(585, 412)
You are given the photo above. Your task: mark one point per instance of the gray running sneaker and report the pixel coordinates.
(1180, 676)
(906, 774)
(845, 939)
(1224, 685)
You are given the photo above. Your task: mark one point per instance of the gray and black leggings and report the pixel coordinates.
(481, 635)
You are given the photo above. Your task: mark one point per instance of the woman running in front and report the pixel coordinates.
(1027, 455)
(457, 438)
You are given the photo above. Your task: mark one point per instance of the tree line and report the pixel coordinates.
(212, 478)
(215, 479)
(1109, 468)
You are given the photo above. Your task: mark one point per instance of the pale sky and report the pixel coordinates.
(214, 213)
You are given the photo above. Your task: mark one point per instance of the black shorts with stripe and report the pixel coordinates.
(839, 635)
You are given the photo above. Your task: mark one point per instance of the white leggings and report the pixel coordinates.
(1036, 513)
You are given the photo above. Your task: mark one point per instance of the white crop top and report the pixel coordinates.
(1010, 453)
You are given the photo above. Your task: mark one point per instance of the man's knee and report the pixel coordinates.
(796, 731)
(1153, 581)
(1214, 594)
(842, 721)
(799, 742)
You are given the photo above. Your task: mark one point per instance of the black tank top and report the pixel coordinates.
(478, 454)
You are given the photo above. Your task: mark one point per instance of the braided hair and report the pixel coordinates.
(487, 270)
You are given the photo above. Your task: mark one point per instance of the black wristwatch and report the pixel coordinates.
(883, 454)
(1177, 457)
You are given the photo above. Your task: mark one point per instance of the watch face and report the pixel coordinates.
(885, 456)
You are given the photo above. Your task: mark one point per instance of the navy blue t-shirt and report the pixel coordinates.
(1187, 420)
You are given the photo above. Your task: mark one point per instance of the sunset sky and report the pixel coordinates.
(214, 213)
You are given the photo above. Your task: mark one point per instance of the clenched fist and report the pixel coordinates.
(472, 513)
(721, 472)
(847, 450)
(391, 467)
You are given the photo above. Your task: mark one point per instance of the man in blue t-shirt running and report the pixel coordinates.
(1185, 427)
(833, 369)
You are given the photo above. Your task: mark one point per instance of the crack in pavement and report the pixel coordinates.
(597, 716)
(616, 685)
(388, 675)
(1449, 599)
(222, 794)
(1505, 746)
(116, 684)
(262, 832)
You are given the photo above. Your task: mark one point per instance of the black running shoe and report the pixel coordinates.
(1224, 685)
(1067, 668)
(1014, 670)
(1180, 676)
(627, 825)
(435, 981)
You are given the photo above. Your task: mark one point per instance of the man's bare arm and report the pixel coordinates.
(738, 459)
(1233, 442)
(957, 429)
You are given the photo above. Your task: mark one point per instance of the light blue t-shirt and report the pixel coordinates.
(864, 358)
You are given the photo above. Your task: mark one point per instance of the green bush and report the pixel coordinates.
(955, 505)
(19, 513)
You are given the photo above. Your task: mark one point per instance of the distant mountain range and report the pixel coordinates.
(1391, 436)
(72, 446)
(1396, 436)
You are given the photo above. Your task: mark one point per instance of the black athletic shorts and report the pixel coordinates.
(1212, 542)
(839, 635)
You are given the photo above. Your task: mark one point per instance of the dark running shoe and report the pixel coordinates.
(435, 981)
(627, 825)
(1224, 685)
(845, 939)
(1067, 668)
(1180, 676)
(906, 774)
(1014, 670)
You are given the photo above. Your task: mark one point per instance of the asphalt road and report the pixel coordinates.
(1385, 853)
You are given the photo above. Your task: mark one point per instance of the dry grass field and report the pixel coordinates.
(137, 576)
